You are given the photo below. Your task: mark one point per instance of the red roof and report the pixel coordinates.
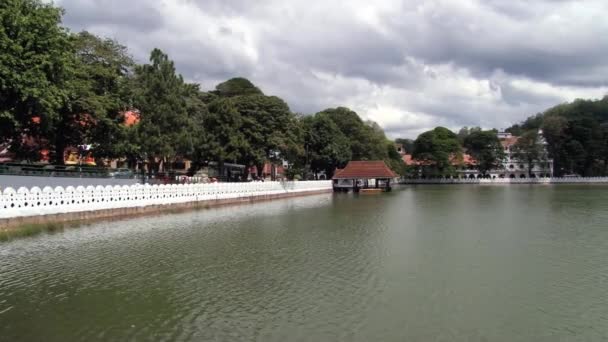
(365, 170)
(131, 118)
(510, 141)
(467, 159)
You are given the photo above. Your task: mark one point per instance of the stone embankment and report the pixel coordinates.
(555, 180)
(25, 206)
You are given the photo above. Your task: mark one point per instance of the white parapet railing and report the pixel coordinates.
(554, 180)
(35, 201)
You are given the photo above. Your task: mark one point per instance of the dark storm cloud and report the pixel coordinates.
(550, 41)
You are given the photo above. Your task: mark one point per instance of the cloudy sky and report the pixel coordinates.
(410, 65)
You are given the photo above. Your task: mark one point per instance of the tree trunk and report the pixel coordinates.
(59, 150)
(260, 169)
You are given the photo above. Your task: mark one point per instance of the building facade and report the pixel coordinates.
(510, 167)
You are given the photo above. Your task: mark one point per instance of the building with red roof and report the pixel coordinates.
(510, 167)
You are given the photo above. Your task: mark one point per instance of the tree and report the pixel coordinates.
(354, 129)
(575, 135)
(327, 147)
(225, 140)
(167, 130)
(485, 147)
(529, 150)
(99, 94)
(408, 145)
(438, 147)
(270, 129)
(37, 61)
(465, 131)
(236, 87)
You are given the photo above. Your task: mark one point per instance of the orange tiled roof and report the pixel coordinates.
(365, 170)
(131, 118)
(409, 160)
(467, 159)
(506, 142)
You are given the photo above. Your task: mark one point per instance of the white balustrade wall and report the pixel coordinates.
(35, 201)
(555, 180)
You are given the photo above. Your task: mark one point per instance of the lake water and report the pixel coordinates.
(426, 263)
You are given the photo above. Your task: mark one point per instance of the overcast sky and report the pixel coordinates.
(410, 65)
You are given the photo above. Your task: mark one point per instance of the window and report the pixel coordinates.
(511, 166)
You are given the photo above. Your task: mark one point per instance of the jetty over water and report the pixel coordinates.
(360, 175)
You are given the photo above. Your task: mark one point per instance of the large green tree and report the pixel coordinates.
(98, 95)
(485, 147)
(225, 140)
(437, 148)
(37, 62)
(270, 129)
(171, 124)
(327, 148)
(237, 86)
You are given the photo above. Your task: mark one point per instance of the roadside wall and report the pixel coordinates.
(24, 202)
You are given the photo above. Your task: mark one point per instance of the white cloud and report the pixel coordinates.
(409, 65)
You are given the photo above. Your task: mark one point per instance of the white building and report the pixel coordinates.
(510, 167)
(514, 168)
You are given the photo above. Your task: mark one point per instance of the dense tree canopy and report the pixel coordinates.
(437, 147)
(485, 147)
(576, 134)
(167, 128)
(236, 87)
(36, 67)
(327, 148)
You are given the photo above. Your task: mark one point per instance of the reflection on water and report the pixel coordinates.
(426, 263)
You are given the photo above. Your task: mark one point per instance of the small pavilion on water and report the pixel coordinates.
(359, 175)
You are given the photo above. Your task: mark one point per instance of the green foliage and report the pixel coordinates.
(36, 62)
(438, 147)
(327, 147)
(408, 144)
(236, 87)
(529, 149)
(225, 140)
(532, 123)
(270, 128)
(465, 131)
(365, 140)
(99, 94)
(576, 135)
(485, 147)
(171, 114)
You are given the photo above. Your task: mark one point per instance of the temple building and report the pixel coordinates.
(510, 167)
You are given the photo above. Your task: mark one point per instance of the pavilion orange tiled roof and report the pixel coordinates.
(365, 170)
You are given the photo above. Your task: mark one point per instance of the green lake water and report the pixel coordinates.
(425, 263)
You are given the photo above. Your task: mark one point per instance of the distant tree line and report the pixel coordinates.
(576, 134)
(60, 89)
